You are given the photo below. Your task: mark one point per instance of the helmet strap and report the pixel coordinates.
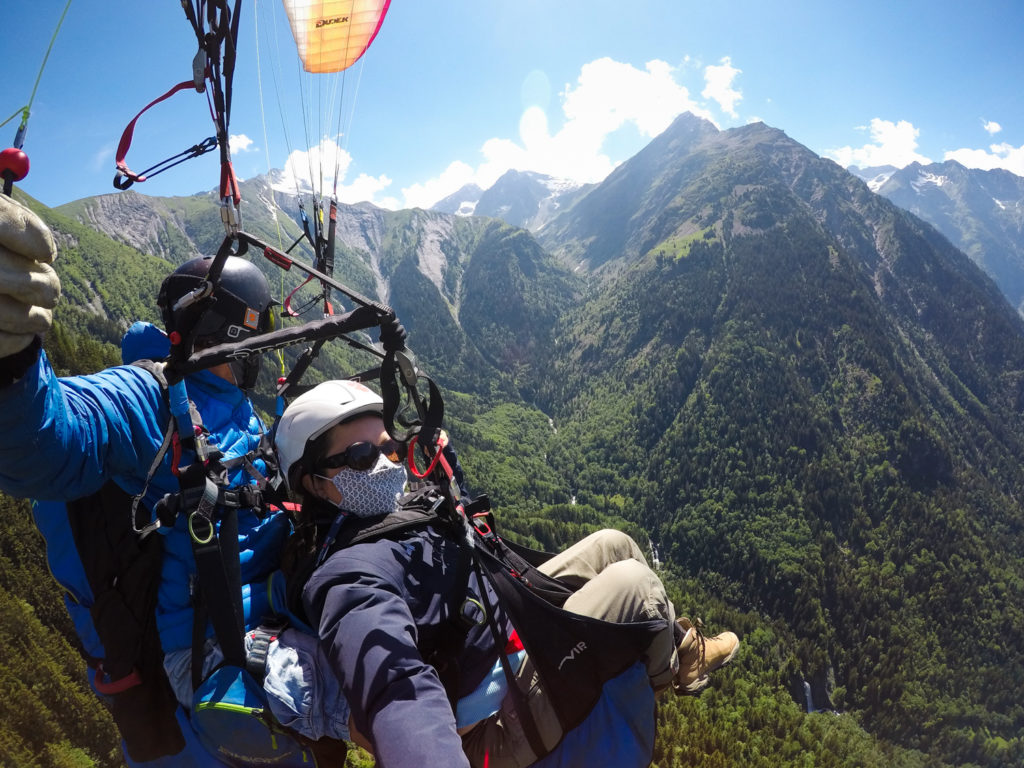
(246, 371)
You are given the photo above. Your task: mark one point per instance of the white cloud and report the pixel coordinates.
(240, 143)
(891, 144)
(609, 94)
(367, 188)
(719, 79)
(607, 97)
(454, 177)
(997, 156)
(896, 144)
(314, 170)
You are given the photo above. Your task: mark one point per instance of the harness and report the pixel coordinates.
(123, 572)
(574, 655)
(212, 509)
(121, 560)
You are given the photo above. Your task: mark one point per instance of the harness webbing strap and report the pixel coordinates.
(218, 570)
(246, 496)
(519, 700)
(126, 137)
(156, 370)
(399, 367)
(452, 640)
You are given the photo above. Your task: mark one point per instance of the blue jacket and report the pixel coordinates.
(61, 439)
(375, 605)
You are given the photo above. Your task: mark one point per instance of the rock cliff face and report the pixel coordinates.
(147, 224)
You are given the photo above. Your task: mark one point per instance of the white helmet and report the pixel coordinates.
(313, 413)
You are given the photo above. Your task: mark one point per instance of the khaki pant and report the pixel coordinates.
(614, 584)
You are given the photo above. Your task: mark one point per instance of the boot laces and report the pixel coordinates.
(698, 630)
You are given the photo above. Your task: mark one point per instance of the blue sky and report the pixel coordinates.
(455, 91)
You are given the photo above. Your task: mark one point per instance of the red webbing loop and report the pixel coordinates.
(129, 131)
(175, 455)
(287, 306)
(412, 460)
(514, 644)
(115, 686)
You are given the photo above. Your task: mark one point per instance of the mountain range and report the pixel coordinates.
(981, 212)
(521, 198)
(805, 397)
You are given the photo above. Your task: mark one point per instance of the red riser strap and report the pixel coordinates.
(129, 131)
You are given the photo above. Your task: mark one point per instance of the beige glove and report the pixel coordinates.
(29, 288)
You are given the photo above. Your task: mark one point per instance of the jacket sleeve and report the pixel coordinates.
(61, 439)
(369, 635)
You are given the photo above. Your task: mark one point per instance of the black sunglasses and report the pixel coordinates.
(363, 456)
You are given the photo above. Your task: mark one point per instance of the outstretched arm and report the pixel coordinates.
(369, 635)
(63, 438)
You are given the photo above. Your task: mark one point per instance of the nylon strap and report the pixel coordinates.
(126, 137)
(519, 700)
(219, 573)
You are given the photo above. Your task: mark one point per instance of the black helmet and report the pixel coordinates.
(241, 306)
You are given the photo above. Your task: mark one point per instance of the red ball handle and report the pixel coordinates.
(14, 162)
(13, 167)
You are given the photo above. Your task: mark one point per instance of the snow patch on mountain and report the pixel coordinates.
(875, 176)
(1011, 205)
(462, 202)
(924, 179)
(875, 183)
(559, 186)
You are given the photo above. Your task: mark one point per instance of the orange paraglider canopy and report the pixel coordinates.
(332, 34)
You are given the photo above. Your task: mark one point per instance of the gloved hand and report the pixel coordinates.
(29, 288)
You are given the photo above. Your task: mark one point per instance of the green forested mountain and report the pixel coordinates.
(816, 402)
(805, 397)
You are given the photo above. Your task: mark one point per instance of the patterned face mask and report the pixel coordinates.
(371, 492)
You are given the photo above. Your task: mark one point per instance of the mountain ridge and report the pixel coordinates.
(816, 327)
(981, 212)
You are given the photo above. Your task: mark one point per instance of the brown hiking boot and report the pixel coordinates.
(699, 656)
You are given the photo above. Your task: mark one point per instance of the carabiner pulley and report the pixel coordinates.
(125, 177)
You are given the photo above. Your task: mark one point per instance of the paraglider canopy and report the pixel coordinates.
(332, 34)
